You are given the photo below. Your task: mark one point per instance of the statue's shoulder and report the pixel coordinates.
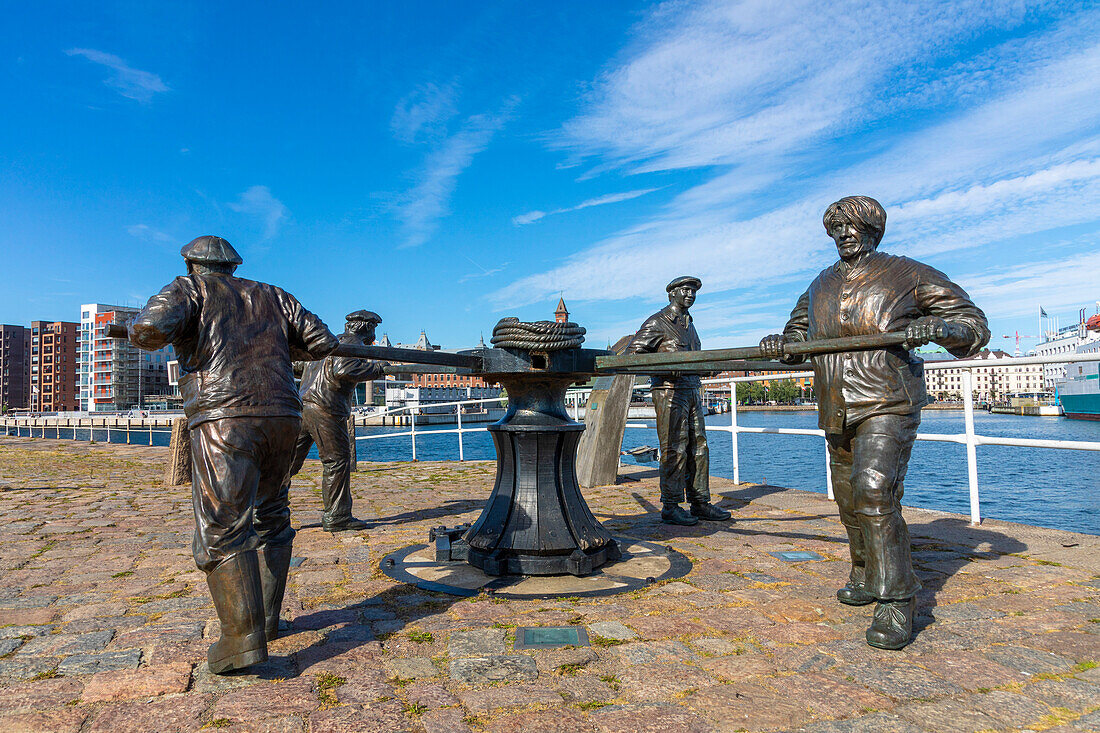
(901, 263)
(827, 273)
(655, 319)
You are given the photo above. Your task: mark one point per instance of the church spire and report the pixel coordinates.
(561, 315)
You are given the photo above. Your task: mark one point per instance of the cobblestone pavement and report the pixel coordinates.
(104, 621)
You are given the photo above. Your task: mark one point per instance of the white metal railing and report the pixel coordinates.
(968, 437)
(412, 432)
(129, 429)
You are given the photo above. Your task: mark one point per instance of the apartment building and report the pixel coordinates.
(993, 383)
(54, 349)
(15, 367)
(114, 375)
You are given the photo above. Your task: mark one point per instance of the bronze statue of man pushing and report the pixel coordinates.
(235, 339)
(678, 402)
(869, 401)
(326, 390)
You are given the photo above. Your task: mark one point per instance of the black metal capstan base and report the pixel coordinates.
(536, 522)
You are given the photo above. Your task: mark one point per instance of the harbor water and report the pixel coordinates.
(1040, 486)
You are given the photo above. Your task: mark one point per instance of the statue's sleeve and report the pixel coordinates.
(648, 338)
(165, 319)
(356, 370)
(798, 326)
(937, 296)
(309, 337)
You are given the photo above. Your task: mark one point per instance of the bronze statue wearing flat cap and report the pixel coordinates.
(869, 401)
(327, 388)
(234, 339)
(677, 399)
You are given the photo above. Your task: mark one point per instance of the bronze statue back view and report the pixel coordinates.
(235, 338)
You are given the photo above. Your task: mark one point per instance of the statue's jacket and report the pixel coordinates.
(666, 331)
(881, 293)
(235, 340)
(330, 383)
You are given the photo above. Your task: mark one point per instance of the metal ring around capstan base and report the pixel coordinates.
(679, 566)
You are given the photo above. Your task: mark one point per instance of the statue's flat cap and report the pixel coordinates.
(692, 282)
(363, 317)
(210, 250)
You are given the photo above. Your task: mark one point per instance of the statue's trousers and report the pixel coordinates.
(868, 462)
(685, 457)
(239, 467)
(330, 432)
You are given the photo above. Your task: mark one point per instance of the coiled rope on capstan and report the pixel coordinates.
(511, 333)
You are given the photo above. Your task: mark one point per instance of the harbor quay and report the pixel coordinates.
(104, 620)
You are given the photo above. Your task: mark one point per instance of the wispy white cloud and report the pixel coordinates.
(422, 114)
(611, 198)
(718, 82)
(146, 232)
(126, 80)
(1018, 290)
(257, 201)
(429, 200)
(766, 98)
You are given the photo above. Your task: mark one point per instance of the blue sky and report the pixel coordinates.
(448, 164)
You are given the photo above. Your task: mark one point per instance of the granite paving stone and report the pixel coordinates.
(149, 681)
(1070, 693)
(873, 723)
(67, 720)
(447, 720)
(1029, 661)
(1009, 708)
(509, 696)
(666, 718)
(544, 721)
(39, 695)
(105, 619)
(948, 716)
(380, 717)
(476, 643)
(172, 714)
(78, 664)
(410, 668)
(499, 668)
(616, 630)
(900, 681)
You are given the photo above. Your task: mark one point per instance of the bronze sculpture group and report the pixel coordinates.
(251, 427)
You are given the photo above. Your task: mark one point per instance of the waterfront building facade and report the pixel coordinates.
(114, 375)
(54, 349)
(994, 383)
(15, 367)
(423, 398)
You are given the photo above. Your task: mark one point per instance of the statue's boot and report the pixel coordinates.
(706, 510)
(238, 598)
(854, 593)
(345, 525)
(893, 624)
(274, 566)
(676, 514)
